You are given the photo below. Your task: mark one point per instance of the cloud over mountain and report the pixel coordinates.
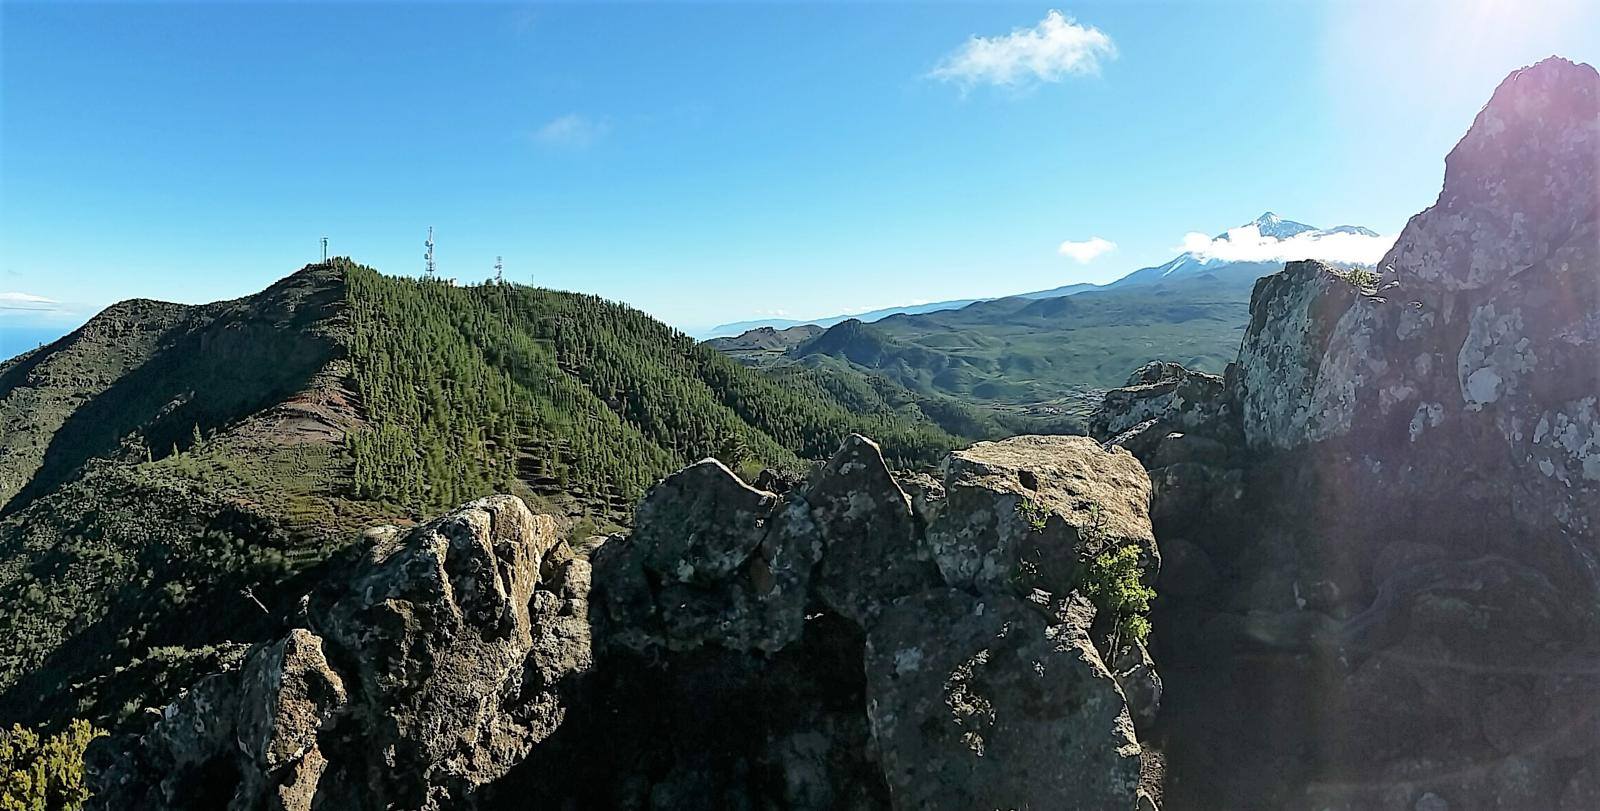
(1247, 244)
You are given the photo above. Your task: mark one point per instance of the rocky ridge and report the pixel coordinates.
(842, 645)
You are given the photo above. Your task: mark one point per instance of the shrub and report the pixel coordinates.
(1033, 514)
(1113, 579)
(44, 774)
(1362, 278)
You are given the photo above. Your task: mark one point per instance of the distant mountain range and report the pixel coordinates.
(1222, 263)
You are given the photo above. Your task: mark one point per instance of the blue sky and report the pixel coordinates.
(710, 163)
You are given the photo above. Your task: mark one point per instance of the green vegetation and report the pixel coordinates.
(123, 560)
(472, 389)
(1033, 514)
(1032, 365)
(44, 773)
(174, 479)
(1362, 279)
(1113, 581)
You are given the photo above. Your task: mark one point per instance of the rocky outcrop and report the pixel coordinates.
(840, 646)
(1006, 706)
(440, 668)
(1165, 393)
(954, 622)
(1023, 514)
(1379, 537)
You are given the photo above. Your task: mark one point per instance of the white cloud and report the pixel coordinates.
(1246, 244)
(572, 129)
(27, 302)
(1086, 251)
(1054, 49)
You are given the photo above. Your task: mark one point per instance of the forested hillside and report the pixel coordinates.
(175, 476)
(1035, 364)
(469, 389)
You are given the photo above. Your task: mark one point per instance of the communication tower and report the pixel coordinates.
(428, 257)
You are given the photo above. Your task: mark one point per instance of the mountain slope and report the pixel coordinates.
(1051, 353)
(754, 345)
(1043, 357)
(176, 475)
(144, 377)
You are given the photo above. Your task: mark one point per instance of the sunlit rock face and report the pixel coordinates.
(1380, 554)
(1480, 353)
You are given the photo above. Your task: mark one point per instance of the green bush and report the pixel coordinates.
(1033, 514)
(44, 774)
(1362, 278)
(1113, 579)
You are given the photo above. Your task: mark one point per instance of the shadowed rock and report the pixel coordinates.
(873, 552)
(446, 661)
(988, 702)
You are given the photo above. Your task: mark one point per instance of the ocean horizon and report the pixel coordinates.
(17, 340)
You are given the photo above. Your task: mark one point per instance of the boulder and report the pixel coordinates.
(987, 702)
(1293, 316)
(447, 659)
(700, 524)
(1023, 513)
(873, 551)
(1178, 398)
(760, 687)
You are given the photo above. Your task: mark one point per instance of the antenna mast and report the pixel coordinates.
(499, 271)
(324, 250)
(428, 257)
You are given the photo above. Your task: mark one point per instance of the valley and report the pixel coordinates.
(1045, 357)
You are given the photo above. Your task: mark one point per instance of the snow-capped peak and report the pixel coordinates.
(1272, 226)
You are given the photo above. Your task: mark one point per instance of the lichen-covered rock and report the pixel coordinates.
(1477, 353)
(844, 562)
(439, 630)
(1292, 319)
(1141, 685)
(453, 647)
(288, 693)
(700, 524)
(873, 550)
(988, 702)
(258, 727)
(1021, 514)
(1178, 399)
(1393, 562)
(711, 561)
(848, 534)
(725, 662)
